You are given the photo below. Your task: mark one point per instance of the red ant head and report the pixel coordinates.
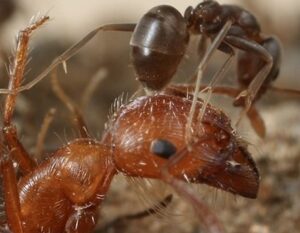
(149, 137)
(204, 18)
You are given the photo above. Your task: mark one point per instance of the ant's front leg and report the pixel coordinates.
(86, 195)
(16, 73)
(11, 141)
(214, 45)
(82, 220)
(71, 52)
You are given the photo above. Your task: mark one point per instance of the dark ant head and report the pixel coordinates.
(205, 17)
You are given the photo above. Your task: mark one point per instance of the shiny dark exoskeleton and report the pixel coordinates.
(158, 43)
(161, 36)
(160, 39)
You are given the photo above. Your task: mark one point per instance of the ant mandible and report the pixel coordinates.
(160, 38)
(144, 138)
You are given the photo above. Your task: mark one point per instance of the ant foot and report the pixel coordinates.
(244, 99)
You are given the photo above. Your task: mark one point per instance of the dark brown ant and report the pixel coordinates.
(160, 38)
(144, 138)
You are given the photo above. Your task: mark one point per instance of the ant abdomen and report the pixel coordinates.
(158, 43)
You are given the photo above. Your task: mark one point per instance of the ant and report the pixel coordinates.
(160, 39)
(143, 138)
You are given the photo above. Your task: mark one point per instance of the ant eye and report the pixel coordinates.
(162, 148)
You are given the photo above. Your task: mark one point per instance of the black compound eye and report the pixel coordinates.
(163, 148)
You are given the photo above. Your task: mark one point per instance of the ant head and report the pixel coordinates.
(149, 138)
(205, 17)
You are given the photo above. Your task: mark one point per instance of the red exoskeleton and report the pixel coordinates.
(144, 138)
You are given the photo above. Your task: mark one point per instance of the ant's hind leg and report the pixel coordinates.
(71, 52)
(257, 121)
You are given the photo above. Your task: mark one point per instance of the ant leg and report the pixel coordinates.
(215, 44)
(97, 78)
(201, 50)
(86, 199)
(184, 90)
(285, 90)
(18, 152)
(217, 77)
(11, 195)
(251, 46)
(257, 122)
(71, 106)
(16, 73)
(43, 132)
(202, 47)
(255, 118)
(83, 219)
(71, 52)
(210, 220)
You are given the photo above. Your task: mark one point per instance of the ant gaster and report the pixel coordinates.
(144, 138)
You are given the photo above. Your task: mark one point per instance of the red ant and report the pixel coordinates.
(144, 138)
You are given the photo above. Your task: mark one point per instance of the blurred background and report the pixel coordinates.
(278, 155)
